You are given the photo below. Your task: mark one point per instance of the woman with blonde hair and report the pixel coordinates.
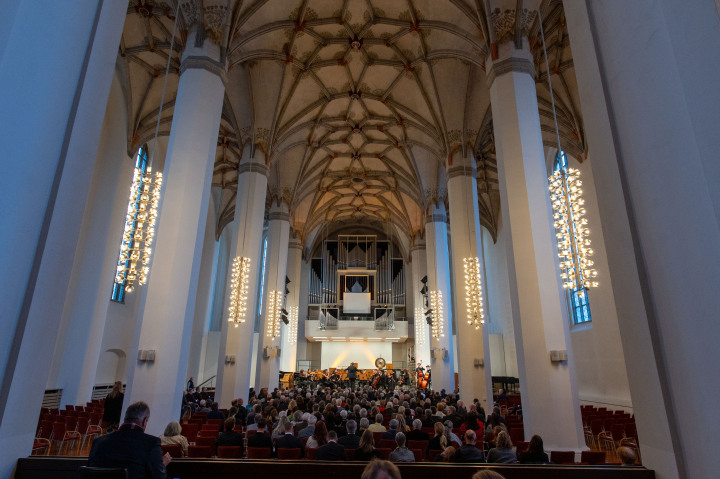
(503, 452)
(448, 455)
(440, 440)
(172, 435)
(366, 449)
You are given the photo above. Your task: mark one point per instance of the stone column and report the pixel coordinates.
(233, 379)
(418, 257)
(438, 267)
(52, 111)
(288, 358)
(472, 343)
(550, 402)
(167, 316)
(268, 365)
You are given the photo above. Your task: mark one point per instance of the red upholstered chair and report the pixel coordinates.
(289, 453)
(199, 451)
(251, 433)
(215, 421)
(517, 435)
(418, 453)
(41, 447)
(229, 452)
(429, 430)
(207, 433)
(189, 431)
(592, 457)
(384, 452)
(210, 427)
(422, 445)
(311, 453)
(207, 441)
(95, 418)
(386, 444)
(350, 454)
(377, 437)
(258, 452)
(432, 453)
(562, 457)
(175, 450)
(238, 429)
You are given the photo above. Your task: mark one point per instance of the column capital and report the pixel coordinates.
(436, 217)
(511, 59)
(203, 63)
(295, 244)
(460, 170)
(252, 167)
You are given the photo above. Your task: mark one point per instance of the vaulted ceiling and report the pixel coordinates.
(355, 105)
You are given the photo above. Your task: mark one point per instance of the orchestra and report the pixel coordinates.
(353, 377)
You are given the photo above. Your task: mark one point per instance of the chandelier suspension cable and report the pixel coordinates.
(547, 67)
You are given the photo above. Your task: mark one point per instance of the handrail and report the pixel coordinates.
(204, 382)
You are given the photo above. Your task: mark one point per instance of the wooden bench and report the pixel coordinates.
(41, 467)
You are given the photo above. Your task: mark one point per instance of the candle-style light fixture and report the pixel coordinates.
(239, 290)
(436, 305)
(419, 326)
(293, 326)
(473, 292)
(274, 308)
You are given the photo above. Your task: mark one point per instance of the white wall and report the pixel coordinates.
(341, 354)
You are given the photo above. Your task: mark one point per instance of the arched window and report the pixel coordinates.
(118, 291)
(578, 299)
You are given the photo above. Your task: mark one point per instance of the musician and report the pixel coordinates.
(405, 378)
(352, 374)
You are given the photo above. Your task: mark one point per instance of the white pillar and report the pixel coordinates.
(658, 198)
(472, 344)
(418, 257)
(233, 380)
(48, 189)
(288, 358)
(438, 267)
(550, 402)
(167, 317)
(276, 269)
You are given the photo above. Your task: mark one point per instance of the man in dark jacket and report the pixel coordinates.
(468, 452)
(332, 451)
(130, 447)
(261, 438)
(417, 434)
(288, 440)
(352, 375)
(350, 440)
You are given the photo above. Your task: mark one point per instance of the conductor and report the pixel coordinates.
(352, 374)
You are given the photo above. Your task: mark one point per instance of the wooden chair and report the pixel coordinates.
(229, 452)
(289, 453)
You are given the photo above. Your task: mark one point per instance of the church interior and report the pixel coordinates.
(516, 194)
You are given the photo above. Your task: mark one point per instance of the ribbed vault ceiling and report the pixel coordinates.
(355, 105)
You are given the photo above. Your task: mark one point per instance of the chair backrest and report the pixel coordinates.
(95, 418)
(432, 453)
(418, 445)
(251, 433)
(562, 457)
(517, 435)
(311, 453)
(596, 425)
(215, 421)
(387, 444)
(71, 423)
(175, 450)
(290, 453)
(592, 457)
(86, 472)
(384, 452)
(69, 407)
(58, 430)
(418, 453)
(207, 441)
(210, 427)
(199, 451)
(229, 452)
(377, 437)
(521, 446)
(82, 425)
(189, 431)
(258, 453)
(207, 433)
(45, 429)
(617, 431)
(350, 454)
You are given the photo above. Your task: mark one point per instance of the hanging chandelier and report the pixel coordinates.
(473, 292)
(293, 326)
(142, 213)
(436, 305)
(419, 326)
(239, 290)
(273, 314)
(571, 230)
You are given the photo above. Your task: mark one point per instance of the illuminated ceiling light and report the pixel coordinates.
(419, 326)
(239, 290)
(293, 317)
(473, 292)
(140, 220)
(571, 230)
(274, 308)
(436, 304)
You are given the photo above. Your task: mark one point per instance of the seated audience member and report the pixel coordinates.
(501, 394)
(261, 438)
(468, 452)
(535, 453)
(130, 447)
(280, 429)
(448, 455)
(380, 469)
(377, 425)
(439, 441)
(252, 425)
(452, 437)
(350, 440)
(487, 474)
(454, 417)
(331, 451)
(491, 435)
(401, 452)
(319, 437)
(310, 429)
(215, 413)
(626, 455)
(186, 414)
(172, 435)
(390, 433)
(472, 422)
(417, 434)
(502, 452)
(366, 450)
(364, 424)
(228, 437)
(203, 406)
(288, 440)
(241, 414)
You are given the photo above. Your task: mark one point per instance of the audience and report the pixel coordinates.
(377, 426)
(350, 440)
(390, 433)
(366, 449)
(172, 435)
(319, 437)
(417, 434)
(535, 453)
(288, 439)
(502, 452)
(310, 429)
(228, 437)
(331, 450)
(401, 452)
(468, 452)
(261, 438)
(439, 441)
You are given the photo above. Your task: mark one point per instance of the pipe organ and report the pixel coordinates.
(357, 265)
